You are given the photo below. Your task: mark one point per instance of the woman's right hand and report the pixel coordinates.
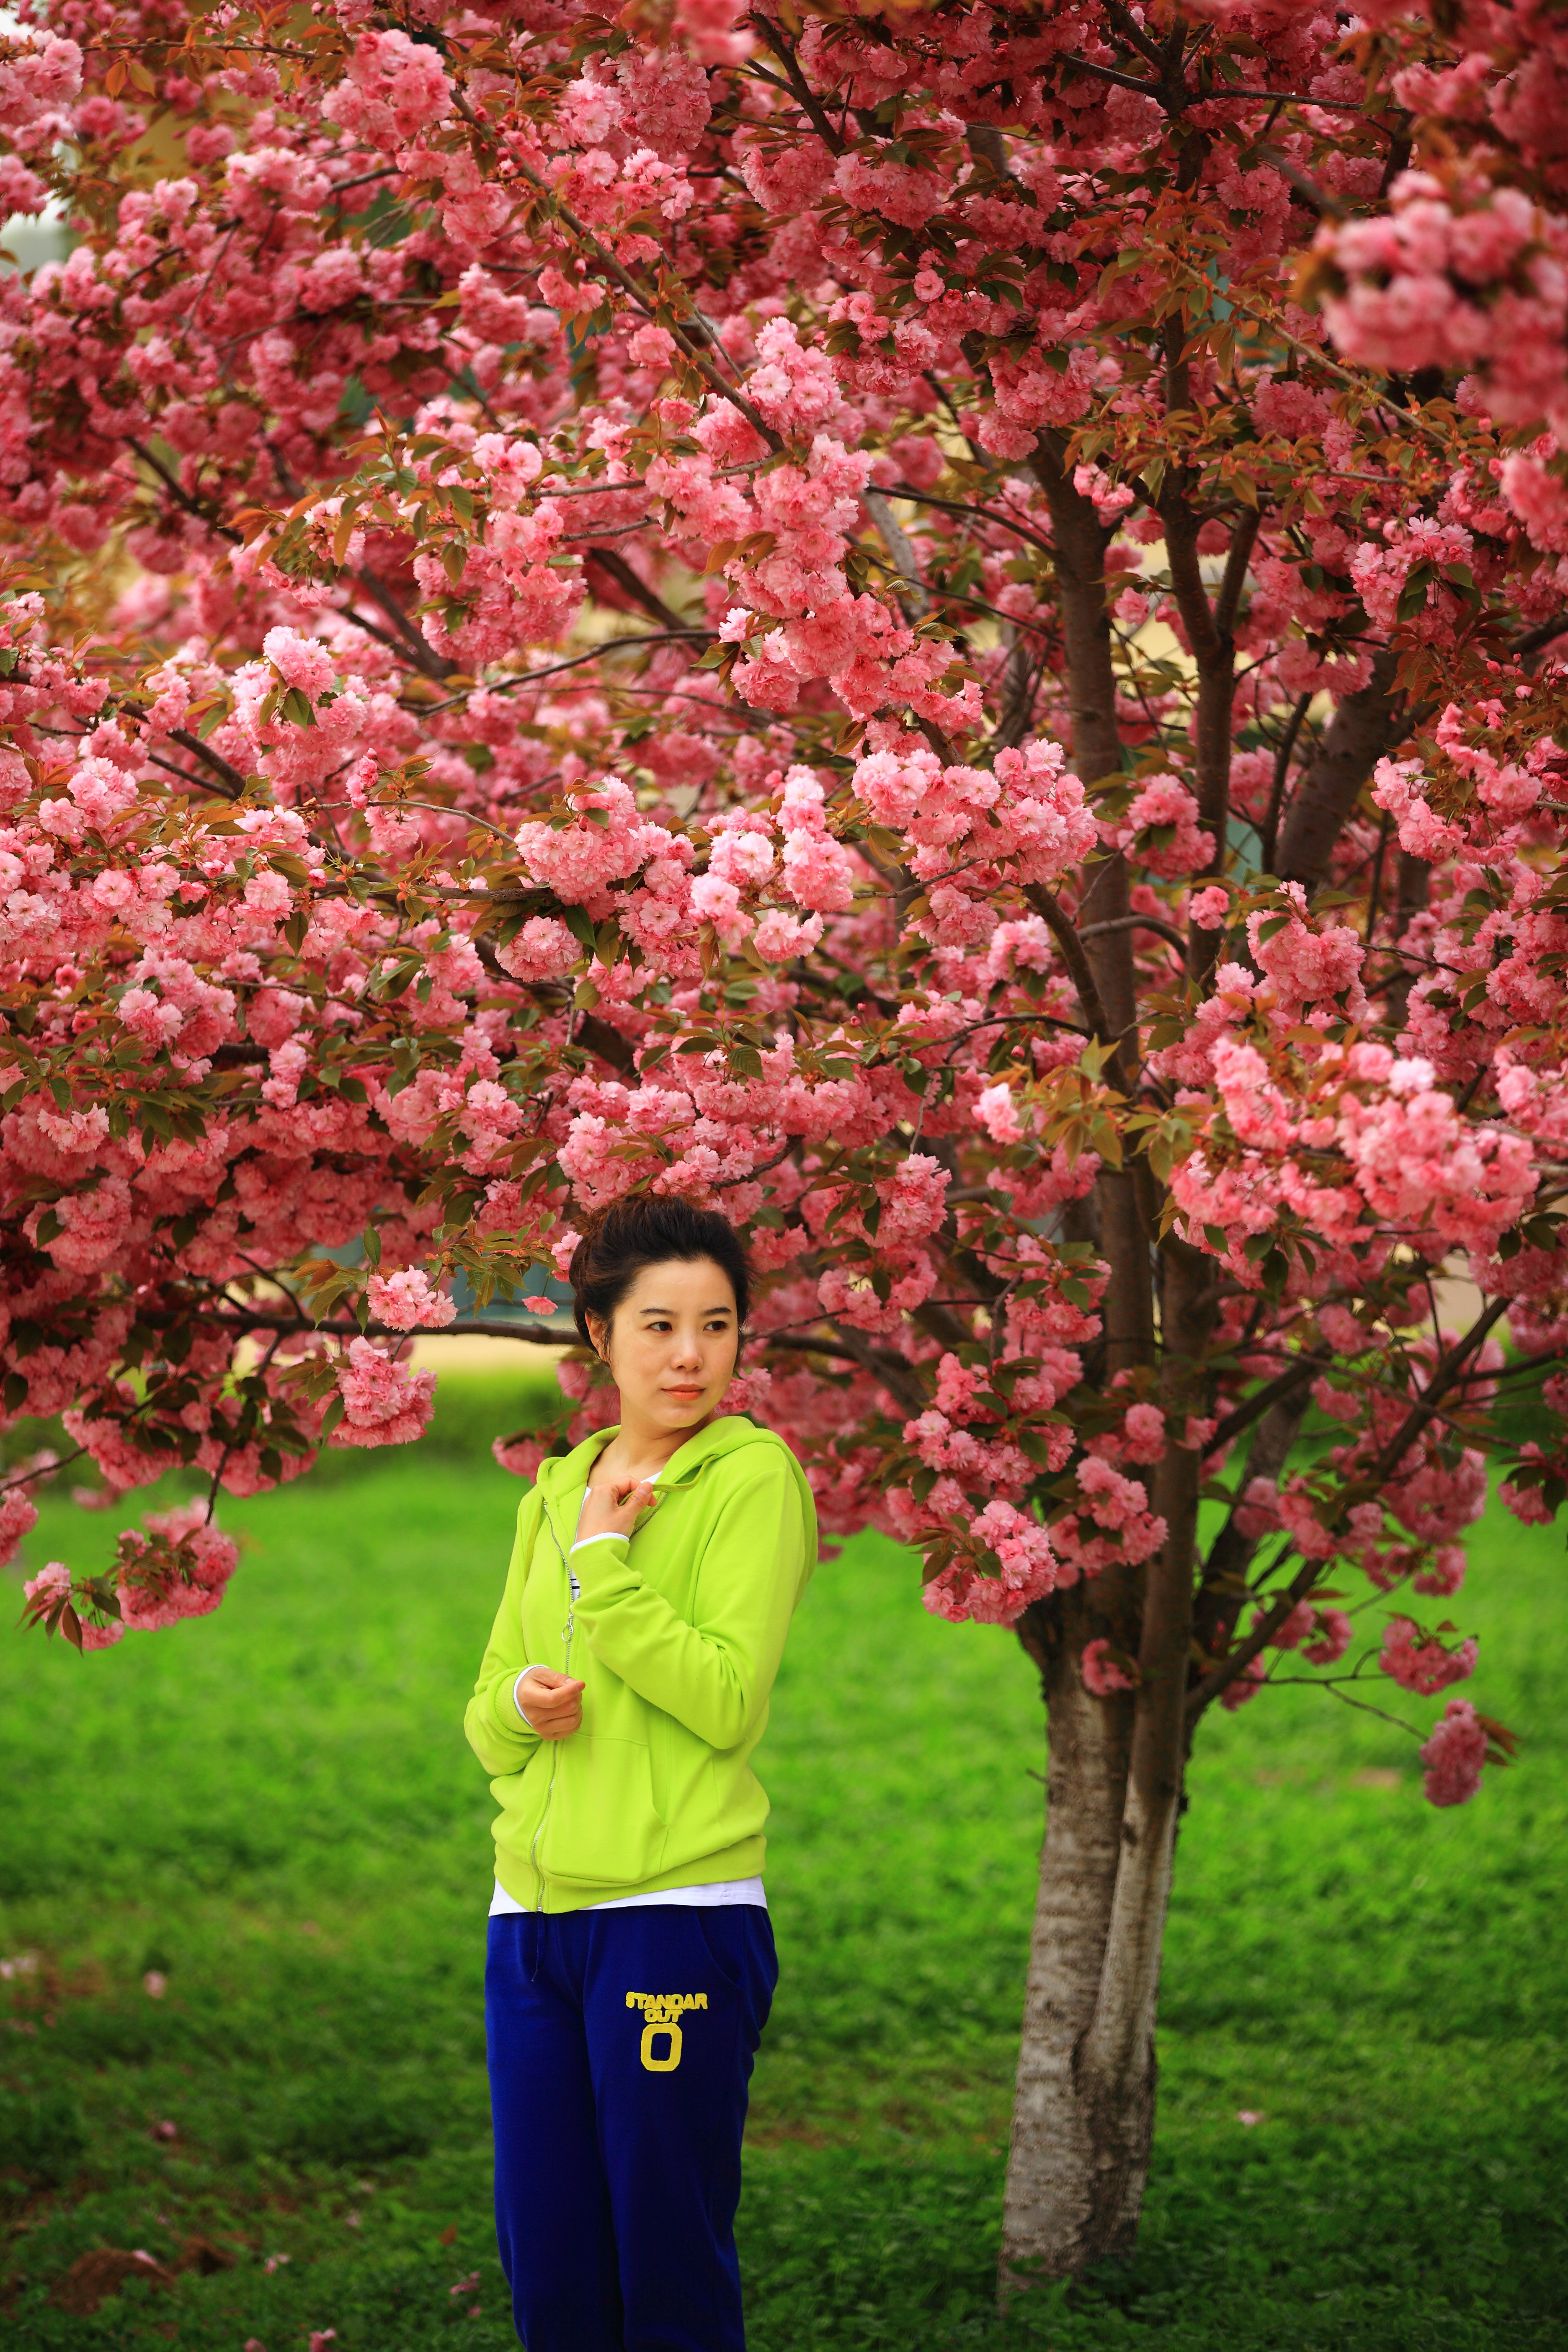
(549, 1703)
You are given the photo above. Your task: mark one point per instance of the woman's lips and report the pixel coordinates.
(683, 1392)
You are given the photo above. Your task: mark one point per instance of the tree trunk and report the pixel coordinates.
(1084, 2111)
(1366, 726)
(1053, 2216)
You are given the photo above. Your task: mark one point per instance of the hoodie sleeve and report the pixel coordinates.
(496, 1732)
(713, 1674)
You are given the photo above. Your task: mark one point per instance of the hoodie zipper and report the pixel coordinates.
(567, 1632)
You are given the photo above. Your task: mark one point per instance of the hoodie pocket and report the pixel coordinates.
(603, 1828)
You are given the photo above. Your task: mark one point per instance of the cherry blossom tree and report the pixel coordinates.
(939, 629)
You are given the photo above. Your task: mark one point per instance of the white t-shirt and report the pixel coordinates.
(717, 1893)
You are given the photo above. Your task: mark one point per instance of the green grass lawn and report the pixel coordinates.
(276, 1810)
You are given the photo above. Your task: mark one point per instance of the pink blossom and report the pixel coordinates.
(394, 90)
(179, 1567)
(1102, 1670)
(1115, 1508)
(995, 1111)
(1445, 1575)
(1160, 829)
(18, 1518)
(1293, 1630)
(1143, 1433)
(53, 1581)
(1244, 1686)
(1335, 1634)
(1027, 1570)
(1454, 1755)
(1422, 1664)
(383, 1402)
(521, 1455)
(407, 1301)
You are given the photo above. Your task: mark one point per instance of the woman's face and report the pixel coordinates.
(671, 1343)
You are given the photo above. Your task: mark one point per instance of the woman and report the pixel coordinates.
(626, 1686)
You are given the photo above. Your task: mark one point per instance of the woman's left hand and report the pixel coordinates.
(611, 1510)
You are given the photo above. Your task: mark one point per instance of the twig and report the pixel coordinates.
(423, 654)
(222, 768)
(962, 507)
(1284, 1385)
(179, 493)
(1047, 904)
(1268, 842)
(915, 600)
(799, 89)
(531, 677)
(1312, 1682)
(626, 579)
(1137, 923)
(29, 1477)
(223, 1460)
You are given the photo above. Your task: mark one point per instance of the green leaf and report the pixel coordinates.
(1412, 595)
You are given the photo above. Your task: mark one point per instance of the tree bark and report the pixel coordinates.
(1051, 2212)
(1083, 2117)
(1366, 726)
(1413, 888)
(1079, 540)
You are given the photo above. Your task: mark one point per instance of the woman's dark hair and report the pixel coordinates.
(644, 1231)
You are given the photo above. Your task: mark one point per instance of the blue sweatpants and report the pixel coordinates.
(620, 2055)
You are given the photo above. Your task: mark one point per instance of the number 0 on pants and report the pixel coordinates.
(665, 2030)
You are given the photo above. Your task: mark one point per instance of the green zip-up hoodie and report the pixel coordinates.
(676, 1635)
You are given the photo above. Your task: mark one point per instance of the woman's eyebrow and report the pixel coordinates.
(670, 1310)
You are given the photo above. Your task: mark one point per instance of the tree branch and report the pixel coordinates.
(421, 652)
(1269, 835)
(222, 768)
(617, 569)
(916, 603)
(181, 495)
(1369, 1483)
(1364, 728)
(800, 87)
(645, 301)
(1137, 923)
(1048, 907)
(1253, 1408)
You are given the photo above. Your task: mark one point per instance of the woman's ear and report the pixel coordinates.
(598, 1334)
